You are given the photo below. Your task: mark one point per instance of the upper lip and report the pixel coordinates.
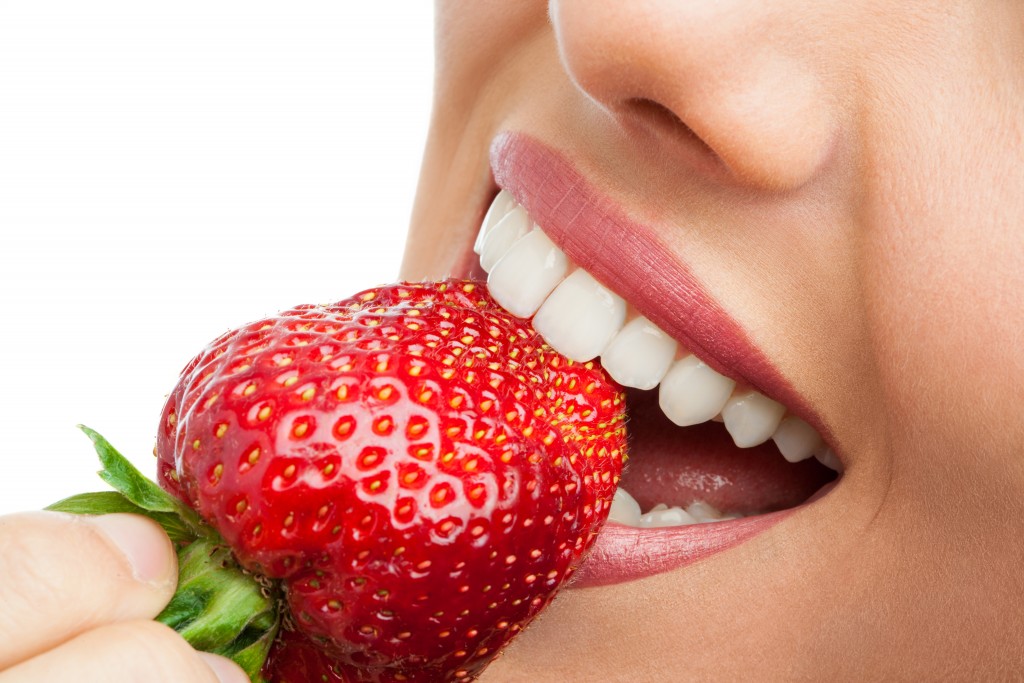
(628, 257)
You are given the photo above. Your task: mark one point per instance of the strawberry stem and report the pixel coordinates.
(218, 606)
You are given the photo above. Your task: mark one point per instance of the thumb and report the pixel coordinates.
(62, 575)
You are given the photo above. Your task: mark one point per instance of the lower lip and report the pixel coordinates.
(622, 553)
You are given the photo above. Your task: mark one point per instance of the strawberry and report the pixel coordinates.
(411, 473)
(295, 658)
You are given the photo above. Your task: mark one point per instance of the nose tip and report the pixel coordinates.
(720, 79)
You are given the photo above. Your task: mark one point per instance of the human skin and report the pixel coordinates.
(844, 179)
(78, 599)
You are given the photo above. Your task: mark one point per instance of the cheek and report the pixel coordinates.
(942, 274)
(475, 82)
(941, 249)
(943, 267)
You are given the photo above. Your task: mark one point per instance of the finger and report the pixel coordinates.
(124, 653)
(61, 575)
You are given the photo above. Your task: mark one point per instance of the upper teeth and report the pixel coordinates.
(692, 393)
(639, 355)
(581, 319)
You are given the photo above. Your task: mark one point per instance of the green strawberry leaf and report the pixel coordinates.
(143, 492)
(107, 502)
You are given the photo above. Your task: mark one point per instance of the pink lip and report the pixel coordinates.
(622, 553)
(627, 256)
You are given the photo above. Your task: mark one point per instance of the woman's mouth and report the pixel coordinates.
(721, 447)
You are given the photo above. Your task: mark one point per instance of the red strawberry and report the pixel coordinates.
(414, 464)
(295, 658)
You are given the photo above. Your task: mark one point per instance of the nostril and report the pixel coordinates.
(664, 120)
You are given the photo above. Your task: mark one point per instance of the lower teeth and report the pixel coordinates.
(625, 510)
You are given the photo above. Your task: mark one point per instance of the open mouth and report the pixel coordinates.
(713, 458)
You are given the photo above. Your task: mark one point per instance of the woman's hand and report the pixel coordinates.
(77, 599)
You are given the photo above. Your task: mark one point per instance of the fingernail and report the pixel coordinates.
(143, 543)
(226, 670)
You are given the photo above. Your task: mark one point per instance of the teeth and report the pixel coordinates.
(692, 393)
(625, 510)
(827, 457)
(500, 237)
(639, 355)
(501, 205)
(751, 418)
(705, 512)
(526, 274)
(580, 317)
(662, 515)
(796, 439)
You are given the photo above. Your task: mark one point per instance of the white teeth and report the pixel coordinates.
(500, 238)
(705, 512)
(624, 510)
(827, 457)
(526, 274)
(751, 418)
(796, 439)
(580, 317)
(662, 515)
(692, 393)
(639, 355)
(500, 205)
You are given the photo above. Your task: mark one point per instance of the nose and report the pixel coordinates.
(739, 82)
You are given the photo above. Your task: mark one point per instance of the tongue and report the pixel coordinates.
(680, 465)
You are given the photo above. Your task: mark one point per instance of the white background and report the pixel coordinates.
(169, 170)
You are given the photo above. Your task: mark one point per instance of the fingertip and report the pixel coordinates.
(225, 669)
(66, 574)
(146, 547)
